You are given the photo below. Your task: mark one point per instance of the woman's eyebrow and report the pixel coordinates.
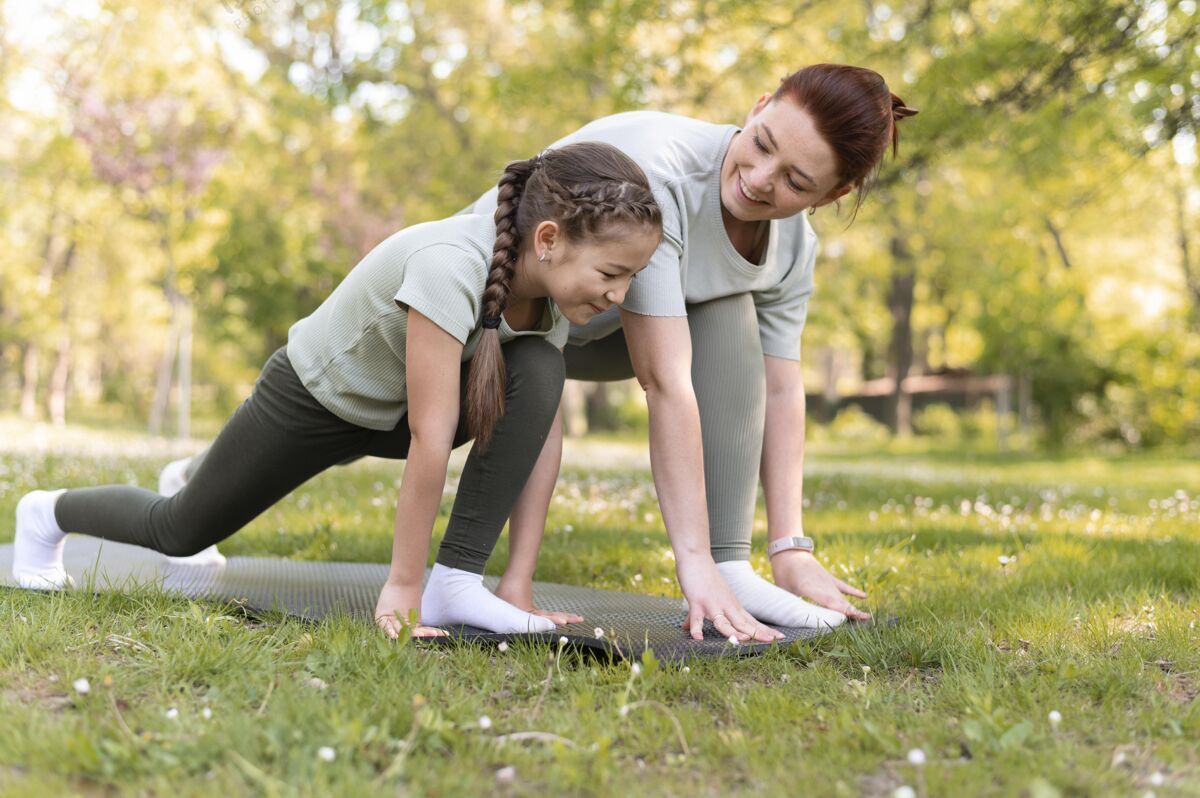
(793, 167)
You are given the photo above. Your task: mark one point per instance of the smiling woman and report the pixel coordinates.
(711, 329)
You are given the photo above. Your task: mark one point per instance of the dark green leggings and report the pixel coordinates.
(281, 436)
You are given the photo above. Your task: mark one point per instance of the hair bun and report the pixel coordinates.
(900, 110)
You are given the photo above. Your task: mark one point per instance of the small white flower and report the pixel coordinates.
(686, 669)
(82, 686)
(636, 668)
(733, 641)
(624, 710)
(904, 792)
(562, 641)
(506, 775)
(206, 713)
(568, 528)
(1004, 559)
(783, 677)
(1157, 779)
(326, 754)
(916, 757)
(171, 713)
(502, 647)
(599, 633)
(1055, 717)
(485, 722)
(866, 669)
(317, 683)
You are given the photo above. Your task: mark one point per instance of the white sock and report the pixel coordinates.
(453, 597)
(38, 547)
(772, 604)
(171, 480)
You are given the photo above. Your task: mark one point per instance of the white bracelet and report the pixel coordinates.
(787, 544)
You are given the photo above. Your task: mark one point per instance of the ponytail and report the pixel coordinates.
(486, 378)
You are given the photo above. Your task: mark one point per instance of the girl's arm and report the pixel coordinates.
(660, 349)
(433, 361)
(783, 484)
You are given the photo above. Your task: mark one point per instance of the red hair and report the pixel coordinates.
(854, 111)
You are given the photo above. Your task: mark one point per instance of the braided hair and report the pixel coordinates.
(591, 190)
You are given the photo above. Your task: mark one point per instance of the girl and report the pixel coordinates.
(467, 312)
(712, 328)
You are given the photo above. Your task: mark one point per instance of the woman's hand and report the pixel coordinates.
(519, 593)
(396, 604)
(800, 573)
(709, 597)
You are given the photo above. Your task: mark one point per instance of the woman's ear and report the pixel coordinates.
(759, 105)
(834, 195)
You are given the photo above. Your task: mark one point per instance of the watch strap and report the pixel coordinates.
(789, 543)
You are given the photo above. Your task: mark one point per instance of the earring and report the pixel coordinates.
(812, 209)
(542, 257)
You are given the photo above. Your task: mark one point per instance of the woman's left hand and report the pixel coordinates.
(800, 573)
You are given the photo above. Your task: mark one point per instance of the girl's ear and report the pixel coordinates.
(545, 236)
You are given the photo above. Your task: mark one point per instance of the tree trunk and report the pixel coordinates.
(1190, 277)
(573, 410)
(59, 381)
(184, 406)
(162, 387)
(900, 354)
(30, 368)
(599, 411)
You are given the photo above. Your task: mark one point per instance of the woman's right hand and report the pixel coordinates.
(709, 597)
(396, 603)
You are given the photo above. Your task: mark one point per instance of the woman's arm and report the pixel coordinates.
(433, 360)
(660, 348)
(783, 483)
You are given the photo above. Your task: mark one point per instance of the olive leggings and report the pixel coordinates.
(730, 383)
(281, 436)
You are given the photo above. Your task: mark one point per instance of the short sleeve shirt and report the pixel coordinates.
(696, 262)
(350, 353)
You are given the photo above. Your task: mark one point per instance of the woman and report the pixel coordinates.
(711, 329)
(465, 313)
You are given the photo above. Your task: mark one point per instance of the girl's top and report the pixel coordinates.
(350, 353)
(696, 261)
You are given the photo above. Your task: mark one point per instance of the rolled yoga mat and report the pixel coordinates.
(311, 590)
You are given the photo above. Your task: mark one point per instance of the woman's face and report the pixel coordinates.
(778, 165)
(587, 277)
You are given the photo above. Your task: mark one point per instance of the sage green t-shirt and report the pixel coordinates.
(350, 353)
(696, 261)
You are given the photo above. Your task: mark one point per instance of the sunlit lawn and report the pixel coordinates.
(1022, 586)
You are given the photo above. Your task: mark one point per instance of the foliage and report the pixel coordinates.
(252, 152)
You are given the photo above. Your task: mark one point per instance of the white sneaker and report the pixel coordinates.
(39, 542)
(170, 481)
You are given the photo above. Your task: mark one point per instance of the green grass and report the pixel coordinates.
(1095, 618)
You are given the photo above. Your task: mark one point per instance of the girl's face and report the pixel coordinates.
(587, 277)
(778, 165)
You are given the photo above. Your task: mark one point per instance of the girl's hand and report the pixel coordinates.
(396, 604)
(521, 596)
(800, 573)
(708, 596)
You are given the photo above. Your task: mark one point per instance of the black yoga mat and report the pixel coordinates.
(630, 623)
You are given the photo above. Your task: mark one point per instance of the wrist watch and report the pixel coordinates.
(787, 544)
